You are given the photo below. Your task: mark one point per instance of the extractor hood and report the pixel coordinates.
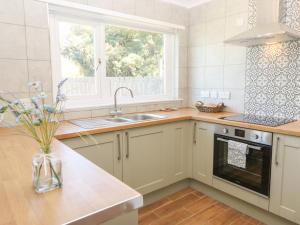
(269, 28)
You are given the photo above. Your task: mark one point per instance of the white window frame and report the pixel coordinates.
(171, 64)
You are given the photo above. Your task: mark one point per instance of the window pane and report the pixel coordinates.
(135, 58)
(77, 53)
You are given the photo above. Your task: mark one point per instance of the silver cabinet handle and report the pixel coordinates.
(194, 135)
(119, 146)
(127, 143)
(276, 151)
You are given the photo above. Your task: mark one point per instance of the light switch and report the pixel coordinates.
(224, 94)
(204, 94)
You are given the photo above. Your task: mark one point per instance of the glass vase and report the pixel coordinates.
(47, 174)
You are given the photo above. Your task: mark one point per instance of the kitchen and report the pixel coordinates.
(169, 112)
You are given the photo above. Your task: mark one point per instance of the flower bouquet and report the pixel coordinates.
(40, 121)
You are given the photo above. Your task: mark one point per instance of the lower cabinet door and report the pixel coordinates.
(105, 153)
(285, 178)
(203, 144)
(177, 142)
(144, 159)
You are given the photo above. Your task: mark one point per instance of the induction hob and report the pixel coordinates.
(260, 120)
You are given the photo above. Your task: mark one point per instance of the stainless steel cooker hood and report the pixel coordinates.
(269, 28)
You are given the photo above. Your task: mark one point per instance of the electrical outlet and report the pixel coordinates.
(204, 94)
(224, 94)
(214, 94)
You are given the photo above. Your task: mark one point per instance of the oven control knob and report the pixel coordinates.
(225, 131)
(255, 136)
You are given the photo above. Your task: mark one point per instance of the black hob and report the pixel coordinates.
(260, 120)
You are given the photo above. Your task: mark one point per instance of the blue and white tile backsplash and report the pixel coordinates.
(272, 86)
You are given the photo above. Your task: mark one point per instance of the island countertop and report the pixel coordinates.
(89, 194)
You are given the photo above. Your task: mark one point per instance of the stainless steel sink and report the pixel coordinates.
(104, 122)
(120, 120)
(142, 117)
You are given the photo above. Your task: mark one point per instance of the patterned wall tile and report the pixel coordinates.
(273, 71)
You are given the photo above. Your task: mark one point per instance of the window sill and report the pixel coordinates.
(123, 104)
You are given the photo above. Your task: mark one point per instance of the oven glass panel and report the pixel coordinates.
(255, 176)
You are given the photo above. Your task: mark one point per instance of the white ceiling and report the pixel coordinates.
(187, 3)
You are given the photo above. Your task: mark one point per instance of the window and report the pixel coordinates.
(99, 57)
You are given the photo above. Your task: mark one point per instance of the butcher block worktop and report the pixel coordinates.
(69, 130)
(89, 195)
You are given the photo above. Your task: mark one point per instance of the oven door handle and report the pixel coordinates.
(250, 146)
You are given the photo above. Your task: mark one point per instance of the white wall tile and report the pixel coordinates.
(215, 9)
(215, 55)
(197, 56)
(215, 31)
(236, 24)
(36, 13)
(41, 71)
(14, 76)
(12, 41)
(100, 112)
(129, 109)
(183, 77)
(183, 51)
(38, 43)
(11, 11)
(124, 6)
(197, 15)
(197, 34)
(235, 55)
(234, 76)
(179, 15)
(183, 37)
(145, 8)
(163, 10)
(236, 6)
(236, 103)
(105, 4)
(78, 114)
(197, 77)
(214, 77)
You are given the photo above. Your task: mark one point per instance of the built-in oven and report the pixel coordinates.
(255, 169)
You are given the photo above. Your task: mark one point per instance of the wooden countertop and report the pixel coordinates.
(89, 194)
(69, 130)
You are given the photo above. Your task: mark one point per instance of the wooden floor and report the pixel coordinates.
(189, 207)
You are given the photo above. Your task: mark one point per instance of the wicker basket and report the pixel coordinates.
(209, 108)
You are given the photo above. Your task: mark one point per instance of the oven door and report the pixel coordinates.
(256, 175)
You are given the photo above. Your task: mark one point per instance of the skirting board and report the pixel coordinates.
(242, 206)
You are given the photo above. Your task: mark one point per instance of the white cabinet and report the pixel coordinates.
(103, 149)
(144, 161)
(203, 144)
(285, 180)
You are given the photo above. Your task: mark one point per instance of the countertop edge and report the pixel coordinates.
(110, 212)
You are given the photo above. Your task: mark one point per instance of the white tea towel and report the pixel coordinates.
(237, 154)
